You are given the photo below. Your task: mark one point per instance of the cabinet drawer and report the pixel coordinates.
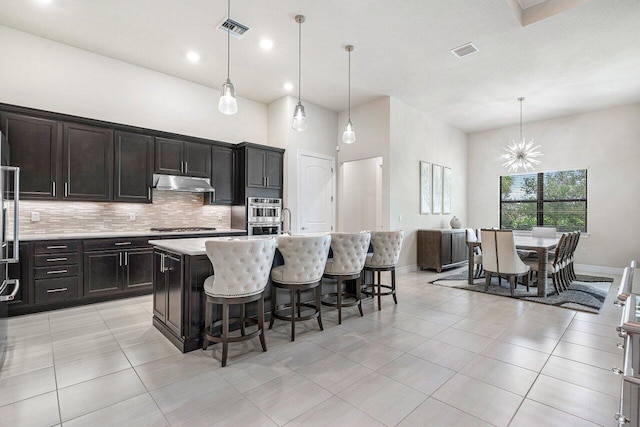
(54, 247)
(56, 259)
(123, 243)
(55, 272)
(56, 290)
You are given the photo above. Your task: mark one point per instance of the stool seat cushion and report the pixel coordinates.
(386, 249)
(349, 253)
(330, 269)
(241, 267)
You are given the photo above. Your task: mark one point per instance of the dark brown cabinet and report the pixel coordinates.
(438, 249)
(167, 290)
(102, 272)
(138, 271)
(175, 157)
(87, 162)
(222, 175)
(133, 167)
(264, 168)
(56, 272)
(36, 147)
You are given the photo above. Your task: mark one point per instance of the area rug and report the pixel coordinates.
(586, 293)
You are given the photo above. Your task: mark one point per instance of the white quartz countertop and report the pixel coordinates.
(117, 234)
(195, 246)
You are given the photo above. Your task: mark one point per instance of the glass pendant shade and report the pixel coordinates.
(299, 118)
(349, 134)
(227, 103)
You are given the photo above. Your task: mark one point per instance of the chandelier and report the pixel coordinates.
(521, 154)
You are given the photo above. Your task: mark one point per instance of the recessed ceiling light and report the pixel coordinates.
(288, 86)
(266, 44)
(193, 56)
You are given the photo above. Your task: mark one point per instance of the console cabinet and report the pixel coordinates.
(440, 249)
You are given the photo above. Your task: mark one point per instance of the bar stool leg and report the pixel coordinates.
(299, 304)
(393, 285)
(261, 322)
(359, 293)
(319, 304)
(272, 318)
(242, 316)
(339, 289)
(293, 315)
(207, 322)
(225, 333)
(379, 292)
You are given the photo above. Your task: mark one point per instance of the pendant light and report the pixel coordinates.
(228, 103)
(521, 154)
(349, 135)
(299, 116)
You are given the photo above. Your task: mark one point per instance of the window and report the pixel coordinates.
(557, 199)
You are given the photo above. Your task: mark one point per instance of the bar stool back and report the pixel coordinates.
(241, 272)
(386, 252)
(304, 260)
(349, 255)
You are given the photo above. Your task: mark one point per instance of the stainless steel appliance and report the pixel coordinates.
(264, 216)
(9, 244)
(185, 184)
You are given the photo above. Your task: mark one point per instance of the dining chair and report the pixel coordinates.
(500, 258)
(557, 267)
(477, 254)
(544, 232)
(240, 275)
(570, 269)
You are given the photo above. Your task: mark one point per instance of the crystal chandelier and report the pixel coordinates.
(521, 154)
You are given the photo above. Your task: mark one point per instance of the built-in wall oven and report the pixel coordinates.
(264, 216)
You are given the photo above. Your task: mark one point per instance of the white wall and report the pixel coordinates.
(606, 142)
(319, 137)
(40, 73)
(360, 203)
(417, 136)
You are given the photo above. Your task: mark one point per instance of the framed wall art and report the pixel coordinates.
(425, 188)
(446, 191)
(437, 189)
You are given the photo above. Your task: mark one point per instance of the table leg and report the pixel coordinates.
(470, 269)
(543, 254)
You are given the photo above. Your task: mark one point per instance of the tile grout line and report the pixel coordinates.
(55, 376)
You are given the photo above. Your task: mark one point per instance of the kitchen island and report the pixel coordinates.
(180, 267)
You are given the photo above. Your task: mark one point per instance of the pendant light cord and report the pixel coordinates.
(520, 99)
(228, 38)
(299, 59)
(349, 85)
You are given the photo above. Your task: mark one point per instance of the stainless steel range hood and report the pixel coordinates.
(186, 184)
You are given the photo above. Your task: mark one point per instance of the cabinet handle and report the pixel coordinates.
(267, 181)
(126, 258)
(66, 189)
(56, 259)
(149, 193)
(52, 291)
(120, 258)
(122, 243)
(53, 188)
(186, 167)
(57, 271)
(161, 263)
(57, 247)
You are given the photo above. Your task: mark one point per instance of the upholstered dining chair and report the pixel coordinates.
(499, 258)
(240, 274)
(477, 254)
(557, 267)
(386, 252)
(349, 254)
(544, 232)
(305, 258)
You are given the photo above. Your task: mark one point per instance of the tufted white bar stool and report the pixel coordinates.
(386, 252)
(304, 261)
(349, 255)
(241, 272)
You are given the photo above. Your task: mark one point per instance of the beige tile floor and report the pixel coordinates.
(441, 357)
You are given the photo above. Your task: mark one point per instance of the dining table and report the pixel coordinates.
(540, 245)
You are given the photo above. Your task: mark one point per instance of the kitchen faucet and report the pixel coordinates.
(288, 230)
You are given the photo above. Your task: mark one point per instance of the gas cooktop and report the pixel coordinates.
(181, 229)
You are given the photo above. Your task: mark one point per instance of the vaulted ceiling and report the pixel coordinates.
(582, 59)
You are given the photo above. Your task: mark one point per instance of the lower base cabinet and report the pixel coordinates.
(167, 290)
(116, 271)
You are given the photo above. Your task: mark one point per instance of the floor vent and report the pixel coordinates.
(464, 50)
(235, 28)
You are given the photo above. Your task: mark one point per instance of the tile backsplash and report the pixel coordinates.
(169, 209)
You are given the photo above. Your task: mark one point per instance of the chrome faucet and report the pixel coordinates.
(288, 230)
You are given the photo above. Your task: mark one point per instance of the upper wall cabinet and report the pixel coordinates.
(264, 168)
(222, 176)
(87, 162)
(175, 157)
(35, 147)
(133, 167)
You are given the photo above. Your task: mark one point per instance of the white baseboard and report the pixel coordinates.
(598, 269)
(407, 269)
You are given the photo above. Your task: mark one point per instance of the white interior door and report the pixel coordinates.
(316, 185)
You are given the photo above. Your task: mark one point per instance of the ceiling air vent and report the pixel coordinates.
(235, 28)
(464, 50)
